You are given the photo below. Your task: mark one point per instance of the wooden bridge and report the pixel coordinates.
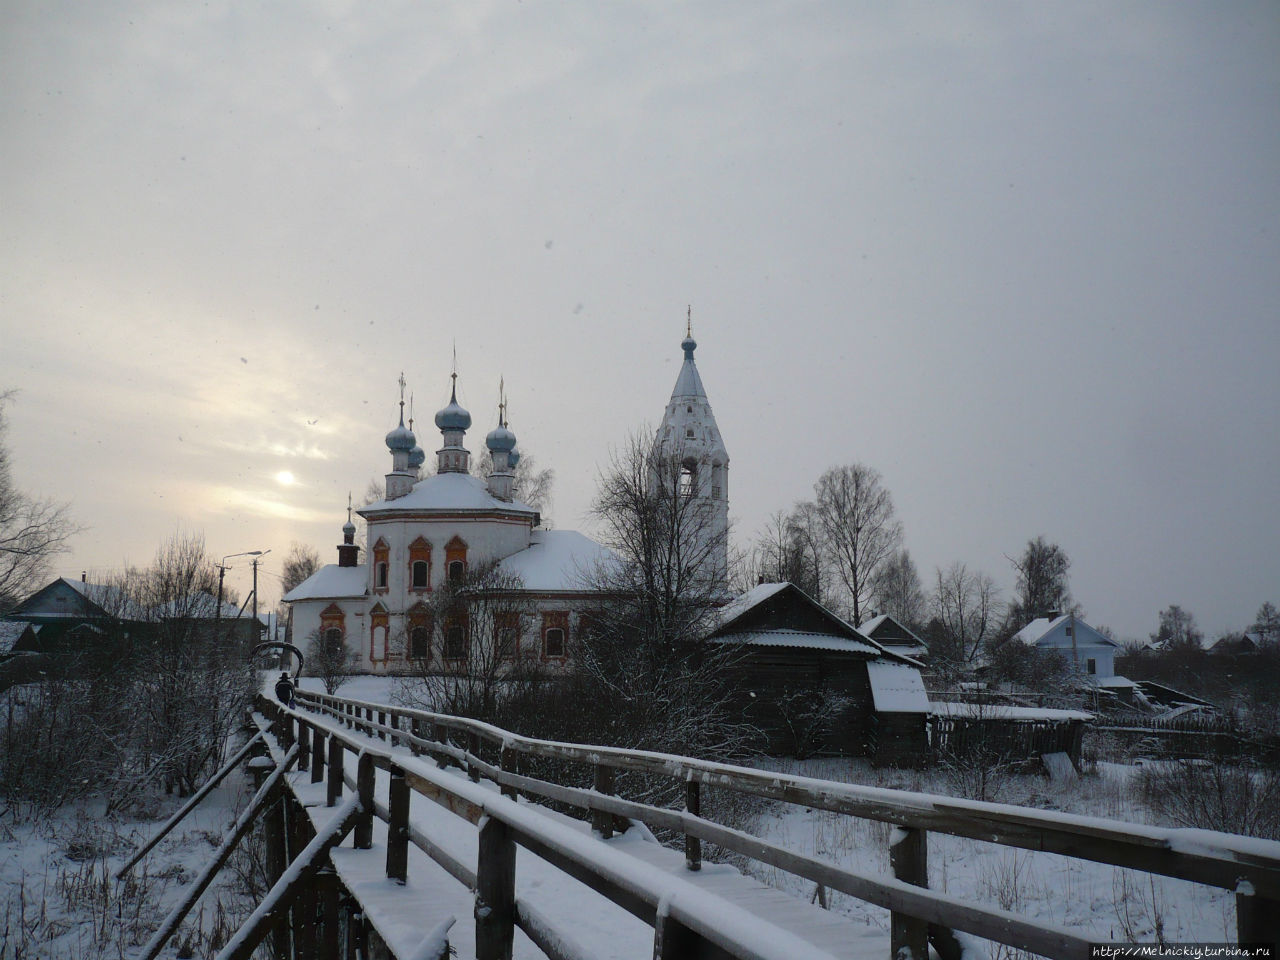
(484, 859)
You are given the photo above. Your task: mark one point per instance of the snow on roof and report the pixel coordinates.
(1039, 628)
(740, 605)
(448, 491)
(1114, 683)
(10, 631)
(557, 560)
(784, 637)
(868, 625)
(330, 582)
(896, 688)
(989, 711)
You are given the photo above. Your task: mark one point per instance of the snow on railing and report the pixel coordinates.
(1223, 860)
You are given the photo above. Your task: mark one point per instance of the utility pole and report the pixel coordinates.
(257, 626)
(222, 572)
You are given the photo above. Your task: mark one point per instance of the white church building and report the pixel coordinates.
(426, 532)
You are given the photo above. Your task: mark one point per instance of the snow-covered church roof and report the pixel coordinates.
(330, 582)
(446, 491)
(558, 560)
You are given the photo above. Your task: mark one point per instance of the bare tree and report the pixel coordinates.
(299, 563)
(1267, 624)
(466, 645)
(643, 674)
(1042, 585)
(781, 554)
(328, 658)
(967, 605)
(898, 591)
(32, 531)
(1177, 630)
(858, 528)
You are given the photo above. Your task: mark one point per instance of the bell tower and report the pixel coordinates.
(691, 456)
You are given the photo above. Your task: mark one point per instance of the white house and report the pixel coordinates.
(1088, 651)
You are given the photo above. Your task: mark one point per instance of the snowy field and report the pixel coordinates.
(57, 898)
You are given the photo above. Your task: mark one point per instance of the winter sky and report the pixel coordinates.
(1023, 259)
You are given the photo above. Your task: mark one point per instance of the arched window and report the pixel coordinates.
(455, 559)
(333, 637)
(455, 642)
(506, 628)
(420, 642)
(381, 558)
(688, 480)
(420, 565)
(555, 626)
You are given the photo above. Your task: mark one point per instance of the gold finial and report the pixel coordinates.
(410, 411)
(348, 506)
(688, 324)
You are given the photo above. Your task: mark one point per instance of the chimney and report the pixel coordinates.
(84, 576)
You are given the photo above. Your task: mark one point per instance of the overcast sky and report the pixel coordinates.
(1023, 259)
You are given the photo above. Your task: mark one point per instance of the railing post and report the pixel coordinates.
(473, 748)
(440, 734)
(398, 827)
(908, 856)
(415, 728)
(507, 761)
(364, 787)
(327, 894)
(317, 755)
(382, 722)
(334, 784)
(304, 746)
(495, 892)
(1257, 920)
(600, 820)
(692, 845)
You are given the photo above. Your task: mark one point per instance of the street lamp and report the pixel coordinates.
(222, 572)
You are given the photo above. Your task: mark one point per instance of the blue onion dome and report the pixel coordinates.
(513, 457)
(401, 438)
(688, 345)
(349, 529)
(500, 439)
(453, 417)
(417, 457)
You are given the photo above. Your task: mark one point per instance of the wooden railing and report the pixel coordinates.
(1248, 866)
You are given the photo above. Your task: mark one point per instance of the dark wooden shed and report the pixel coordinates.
(803, 678)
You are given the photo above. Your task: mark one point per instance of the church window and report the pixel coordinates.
(420, 565)
(555, 625)
(420, 643)
(381, 558)
(688, 432)
(688, 409)
(455, 559)
(455, 641)
(688, 481)
(507, 630)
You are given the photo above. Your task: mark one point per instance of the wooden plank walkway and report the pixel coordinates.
(590, 925)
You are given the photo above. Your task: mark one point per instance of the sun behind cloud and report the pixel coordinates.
(285, 478)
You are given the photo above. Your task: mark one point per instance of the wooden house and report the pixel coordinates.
(814, 684)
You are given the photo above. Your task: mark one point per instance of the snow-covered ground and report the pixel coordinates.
(58, 895)
(58, 900)
(1104, 903)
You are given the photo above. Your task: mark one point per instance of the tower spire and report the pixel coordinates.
(688, 322)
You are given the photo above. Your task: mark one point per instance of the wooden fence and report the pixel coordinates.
(1249, 866)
